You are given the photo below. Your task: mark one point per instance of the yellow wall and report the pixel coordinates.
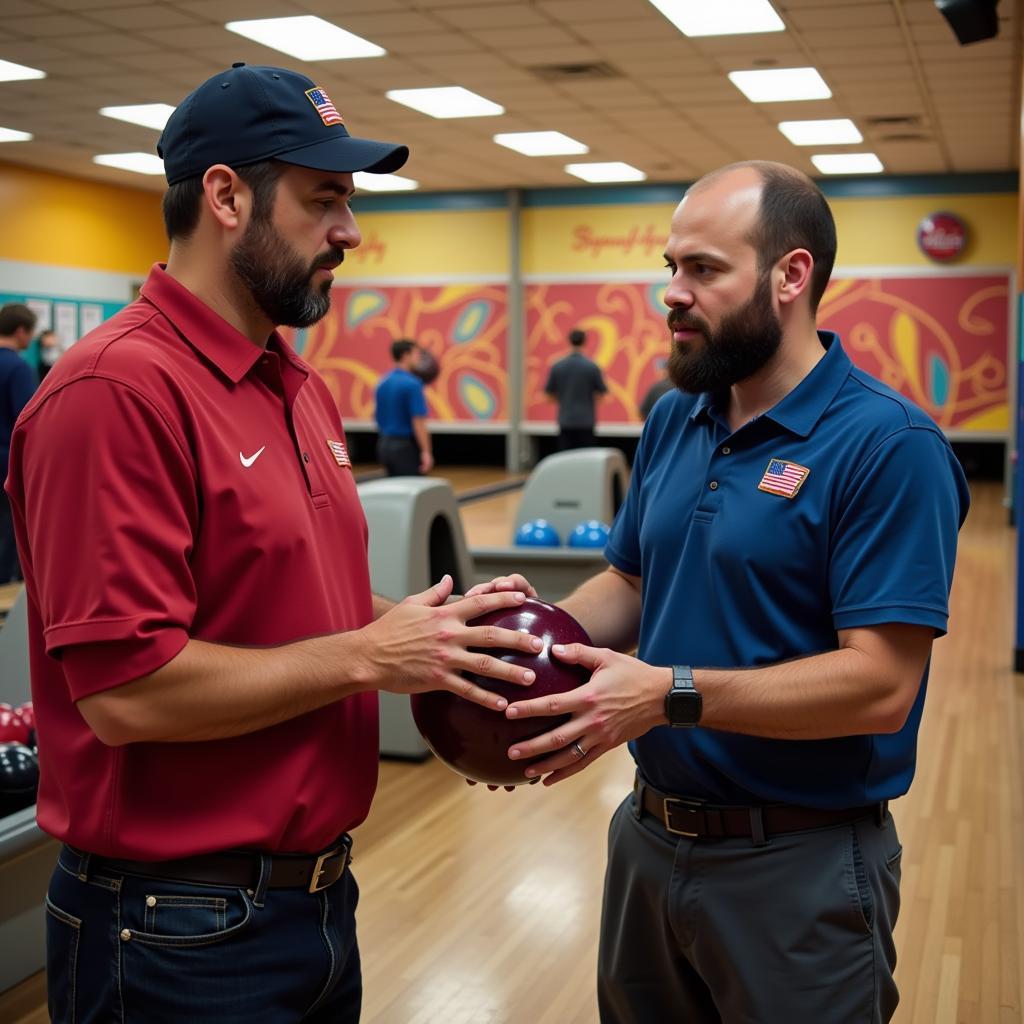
(872, 232)
(428, 244)
(70, 222)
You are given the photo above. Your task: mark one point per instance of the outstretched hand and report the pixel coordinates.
(622, 700)
(424, 644)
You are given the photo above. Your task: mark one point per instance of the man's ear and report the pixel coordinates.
(227, 197)
(795, 272)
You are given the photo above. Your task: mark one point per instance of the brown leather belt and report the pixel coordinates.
(239, 869)
(697, 820)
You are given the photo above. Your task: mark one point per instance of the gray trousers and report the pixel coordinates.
(798, 931)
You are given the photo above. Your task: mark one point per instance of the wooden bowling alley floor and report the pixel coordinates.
(483, 908)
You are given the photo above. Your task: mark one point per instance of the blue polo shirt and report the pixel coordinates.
(399, 398)
(839, 507)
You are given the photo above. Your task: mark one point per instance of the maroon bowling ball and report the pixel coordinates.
(13, 728)
(473, 740)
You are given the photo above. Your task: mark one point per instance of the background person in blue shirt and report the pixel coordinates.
(403, 442)
(790, 533)
(18, 381)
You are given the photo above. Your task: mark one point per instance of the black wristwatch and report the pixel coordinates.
(683, 703)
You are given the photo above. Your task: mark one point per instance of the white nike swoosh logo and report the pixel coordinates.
(247, 462)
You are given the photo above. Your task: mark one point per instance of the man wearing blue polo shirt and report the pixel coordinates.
(783, 564)
(403, 442)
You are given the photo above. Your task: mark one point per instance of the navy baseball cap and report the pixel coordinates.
(248, 114)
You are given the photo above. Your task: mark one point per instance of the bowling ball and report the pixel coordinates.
(538, 533)
(13, 728)
(28, 716)
(591, 533)
(19, 777)
(473, 740)
(426, 366)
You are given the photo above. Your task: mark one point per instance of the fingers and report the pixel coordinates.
(494, 668)
(503, 583)
(580, 654)
(434, 596)
(469, 607)
(506, 639)
(563, 765)
(554, 704)
(559, 739)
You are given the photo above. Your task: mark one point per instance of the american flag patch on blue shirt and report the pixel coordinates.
(783, 478)
(340, 453)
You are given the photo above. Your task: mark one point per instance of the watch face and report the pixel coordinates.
(684, 707)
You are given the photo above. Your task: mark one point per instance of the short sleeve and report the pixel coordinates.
(623, 548)
(551, 388)
(106, 493)
(894, 544)
(417, 401)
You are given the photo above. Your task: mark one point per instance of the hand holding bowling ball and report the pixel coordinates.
(424, 643)
(472, 740)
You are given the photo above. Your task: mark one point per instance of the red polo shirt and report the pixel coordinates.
(172, 480)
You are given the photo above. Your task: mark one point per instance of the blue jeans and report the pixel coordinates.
(125, 948)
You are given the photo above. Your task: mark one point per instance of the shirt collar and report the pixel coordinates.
(206, 331)
(801, 409)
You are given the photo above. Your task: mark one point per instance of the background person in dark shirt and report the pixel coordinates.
(572, 383)
(17, 385)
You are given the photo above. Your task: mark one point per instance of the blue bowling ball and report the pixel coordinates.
(591, 533)
(538, 533)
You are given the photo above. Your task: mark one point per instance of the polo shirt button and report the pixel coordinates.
(126, 934)
(150, 901)
(713, 485)
(726, 450)
(305, 456)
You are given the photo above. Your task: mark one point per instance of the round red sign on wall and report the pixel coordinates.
(942, 236)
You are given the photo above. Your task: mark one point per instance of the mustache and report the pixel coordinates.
(682, 321)
(329, 260)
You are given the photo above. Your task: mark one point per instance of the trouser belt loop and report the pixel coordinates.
(639, 785)
(260, 894)
(757, 835)
(83, 864)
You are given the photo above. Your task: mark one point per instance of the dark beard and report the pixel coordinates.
(745, 340)
(277, 279)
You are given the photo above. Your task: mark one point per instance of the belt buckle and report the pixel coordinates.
(689, 806)
(318, 868)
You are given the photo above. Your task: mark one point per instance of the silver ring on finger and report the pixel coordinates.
(578, 750)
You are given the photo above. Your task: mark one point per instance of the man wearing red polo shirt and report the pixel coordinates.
(205, 647)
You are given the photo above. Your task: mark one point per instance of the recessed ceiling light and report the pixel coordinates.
(836, 132)
(383, 182)
(847, 163)
(306, 37)
(10, 72)
(149, 115)
(781, 85)
(613, 171)
(141, 163)
(446, 101)
(721, 17)
(13, 135)
(541, 143)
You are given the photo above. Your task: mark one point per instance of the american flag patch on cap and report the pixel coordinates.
(324, 106)
(340, 453)
(783, 478)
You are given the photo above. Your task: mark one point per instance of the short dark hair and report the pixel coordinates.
(15, 315)
(577, 338)
(400, 348)
(793, 215)
(181, 205)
